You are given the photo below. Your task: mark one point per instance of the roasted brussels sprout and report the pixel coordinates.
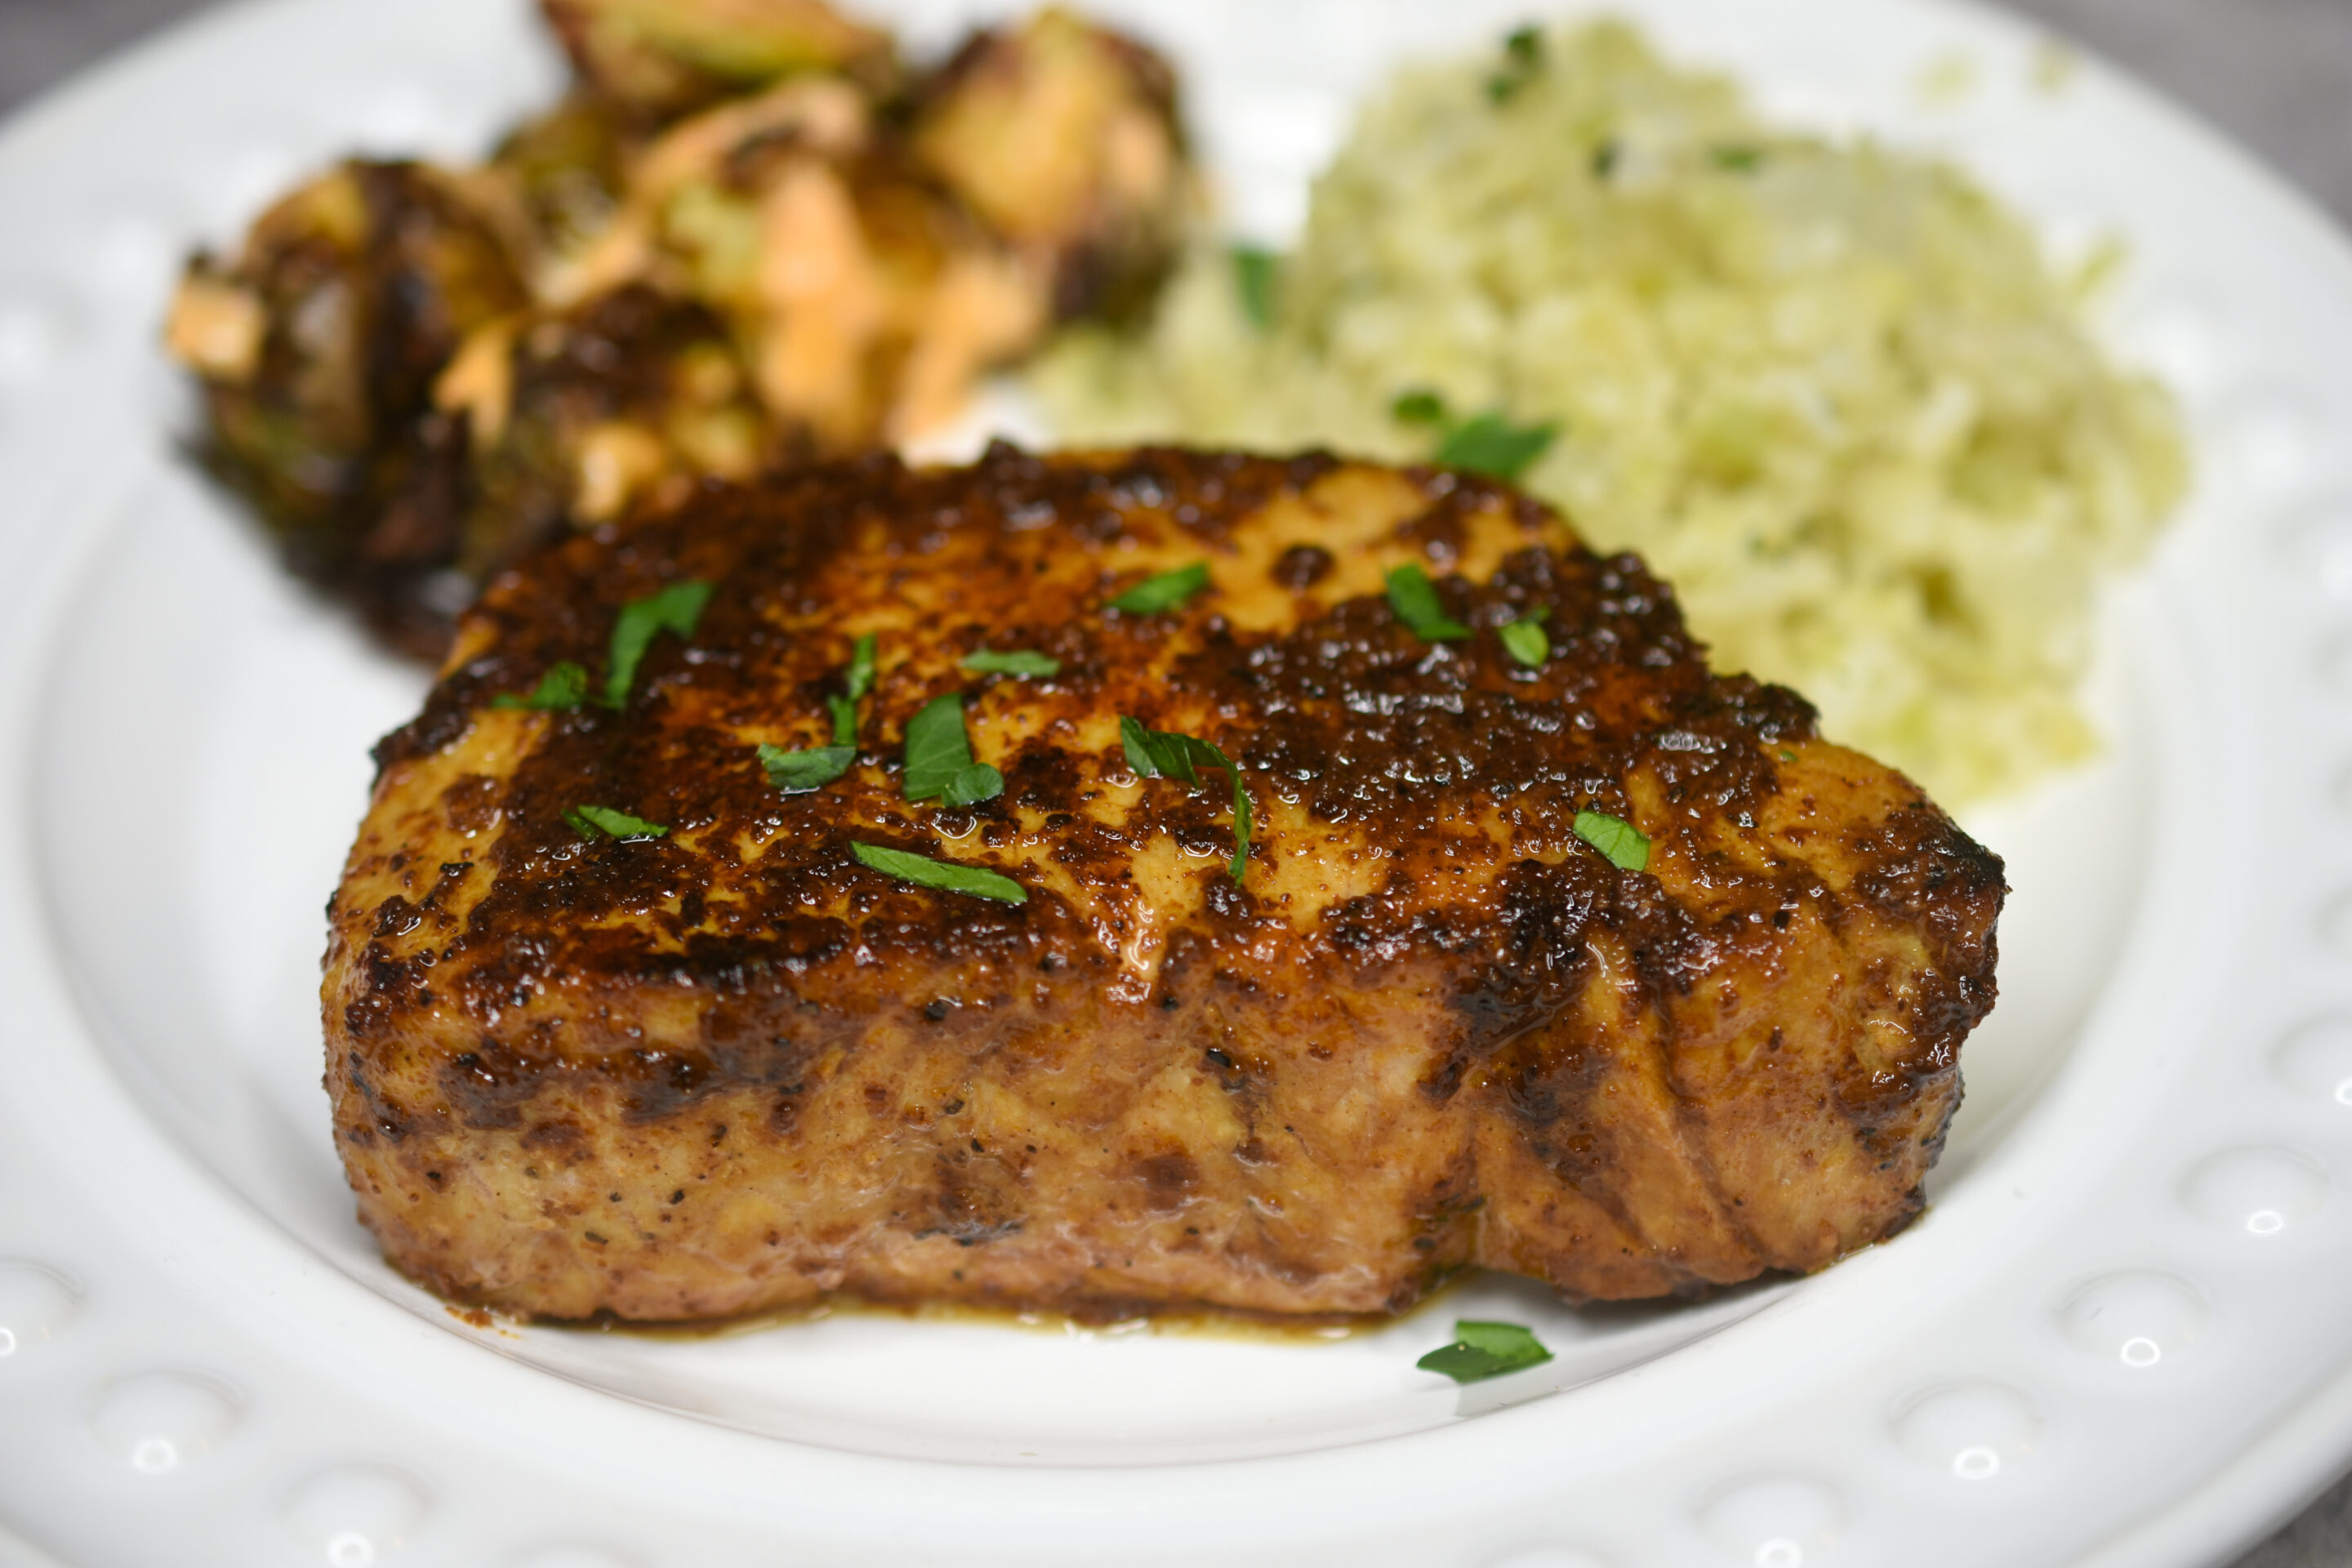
(864, 300)
(573, 417)
(742, 240)
(317, 344)
(565, 172)
(1063, 137)
(656, 59)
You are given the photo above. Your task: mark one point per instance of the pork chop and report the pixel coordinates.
(1544, 948)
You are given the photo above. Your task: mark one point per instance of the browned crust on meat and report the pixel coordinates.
(733, 1070)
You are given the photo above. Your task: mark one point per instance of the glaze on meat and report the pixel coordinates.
(731, 1069)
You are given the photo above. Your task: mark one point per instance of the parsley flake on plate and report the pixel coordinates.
(1165, 592)
(1481, 1350)
(1524, 639)
(1414, 599)
(565, 685)
(1491, 444)
(1159, 753)
(945, 875)
(602, 822)
(1018, 661)
(676, 609)
(1626, 846)
(796, 773)
(939, 757)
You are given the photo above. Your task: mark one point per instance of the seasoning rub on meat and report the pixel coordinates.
(1124, 882)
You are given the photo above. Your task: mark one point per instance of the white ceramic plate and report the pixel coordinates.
(2120, 1335)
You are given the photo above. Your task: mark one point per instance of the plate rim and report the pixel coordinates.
(2324, 1417)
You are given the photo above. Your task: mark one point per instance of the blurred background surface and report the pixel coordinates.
(2275, 75)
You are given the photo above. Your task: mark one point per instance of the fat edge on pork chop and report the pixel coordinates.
(1430, 1025)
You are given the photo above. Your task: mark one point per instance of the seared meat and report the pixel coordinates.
(1429, 1024)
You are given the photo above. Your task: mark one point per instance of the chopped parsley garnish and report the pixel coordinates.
(1522, 60)
(971, 785)
(1485, 1350)
(604, 822)
(860, 677)
(1157, 754)
(1524, 639)
(1165, 592)
(1491, 444)
(1419, 407)
(939, 757)
(944, 875)
(1253, 276)
(859, 680)
(937, 747)
(1414, 599)
(1483, 444)
(796, 772)
(1738, 160)
(1627, 846)
(565, 685)
(675, 609)
(1161, 753)
(1788, 756)
(1018, 661)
